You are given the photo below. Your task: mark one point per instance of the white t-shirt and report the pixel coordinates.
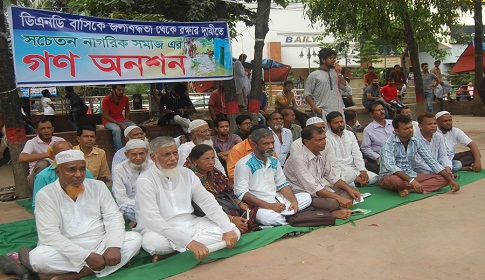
(48, 110)
(454, 136)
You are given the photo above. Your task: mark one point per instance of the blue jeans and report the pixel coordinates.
(428, 97)
(456, 166)
(116, 132)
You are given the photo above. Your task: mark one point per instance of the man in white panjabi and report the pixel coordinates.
(164, 209)
(125, 175)
(80, 229)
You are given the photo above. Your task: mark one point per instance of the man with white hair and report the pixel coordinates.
(164, 209)
(468, 160)
(131, 132)
(80, 229)
(200, 134)
(282, 136)
(125, 175)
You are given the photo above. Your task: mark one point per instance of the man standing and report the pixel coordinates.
(322, 87)
(125, 176)
(259, 181)
(81, 232)
(217, 102)
(200, 133)
(437, 71)
(74, 107)
(96, 160)
(468, 160)
(428, 86)
(369, 76)
(223, 140)
(35, 150)
(282, 136)
(347, 152)
(243, 85)
(164, 209)
(375, 134)
(289, 123)
(397, 169)
(244, 123)
(285, 99)
(112, 110)
(309, 171)
(177, 105)
(372, 95)
(131, 132)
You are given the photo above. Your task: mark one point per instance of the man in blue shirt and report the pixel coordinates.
(397, 169)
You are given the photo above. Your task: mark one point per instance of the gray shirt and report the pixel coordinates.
(428, 81)
(374, 91)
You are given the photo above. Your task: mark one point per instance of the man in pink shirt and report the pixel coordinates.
(112, 108)
(36, 152)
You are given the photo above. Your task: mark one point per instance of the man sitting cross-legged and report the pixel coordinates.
(397, 169)
(164, 211)
(309, 171)
(125, 175)
(259, 181)
(80, 229)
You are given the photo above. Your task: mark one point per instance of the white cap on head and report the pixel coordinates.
(129, 129)
(314, 120)
(195, 124)
(136, 144)
(68, 156)
(439, 114)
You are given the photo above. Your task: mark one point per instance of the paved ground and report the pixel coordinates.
(440, 237)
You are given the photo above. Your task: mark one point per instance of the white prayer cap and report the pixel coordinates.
(195, 124)
(136, 144)
(439, 114)
(314, 120)
(68, 156)
(129, 129)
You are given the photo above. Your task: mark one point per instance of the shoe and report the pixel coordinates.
(24, 257)
(10, 266)
(293, 234)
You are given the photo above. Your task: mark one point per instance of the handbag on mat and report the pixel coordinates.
(311, 217)
(224, 200)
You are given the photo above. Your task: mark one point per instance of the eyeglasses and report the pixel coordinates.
(207, 131)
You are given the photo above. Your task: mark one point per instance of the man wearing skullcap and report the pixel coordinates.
(468, 160)
(125, 175)
(200, 134)
(131, 132)
(80, 229)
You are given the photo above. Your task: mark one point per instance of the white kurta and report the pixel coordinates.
(124, 183)
(186, 148)
(163, 206)
(69, 231)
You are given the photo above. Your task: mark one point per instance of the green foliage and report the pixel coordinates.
(131, 89)
(367, 53)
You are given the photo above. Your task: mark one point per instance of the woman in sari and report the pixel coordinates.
(201, 161)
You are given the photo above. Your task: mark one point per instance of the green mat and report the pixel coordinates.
(23, 233)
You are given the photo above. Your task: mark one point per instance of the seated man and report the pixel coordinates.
(217, 102)
(200, 133)
(286, 99)
(125, 175)
(259, 181)
(49, 175)
(469, 160)
(282, 136)
(112, 110)
(351, 121)
(397, 169)
(244, 123)
(405, 110)
(375, 134)
(288, 123)
(164, 211)
(35, 150)
(95, 157)
(372, 95)
(131, 132)
(81, 231)
(177, 105)
(309, 171)
(347, 152)
(223, 140)
(389, 93)
(434, 141)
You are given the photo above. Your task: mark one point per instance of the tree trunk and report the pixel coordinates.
(414, 55)
(478, 102)
(10, 102)
(260, 31)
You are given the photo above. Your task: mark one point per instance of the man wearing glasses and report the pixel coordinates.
(244, 123)
(200, 133)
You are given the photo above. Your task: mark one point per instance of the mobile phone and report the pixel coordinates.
(356, 212)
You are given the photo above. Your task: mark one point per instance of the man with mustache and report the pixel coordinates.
(125, 175)
(347, 153)
(164, 209)
(259, 181)
(282, 136)
(80, 229)
(200, 133)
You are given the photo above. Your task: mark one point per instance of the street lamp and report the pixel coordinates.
(386, 50)
(308, 55)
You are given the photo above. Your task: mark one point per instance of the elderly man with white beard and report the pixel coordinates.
(200, 133)
(125, 175)
(164, 209)
(131, 132)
